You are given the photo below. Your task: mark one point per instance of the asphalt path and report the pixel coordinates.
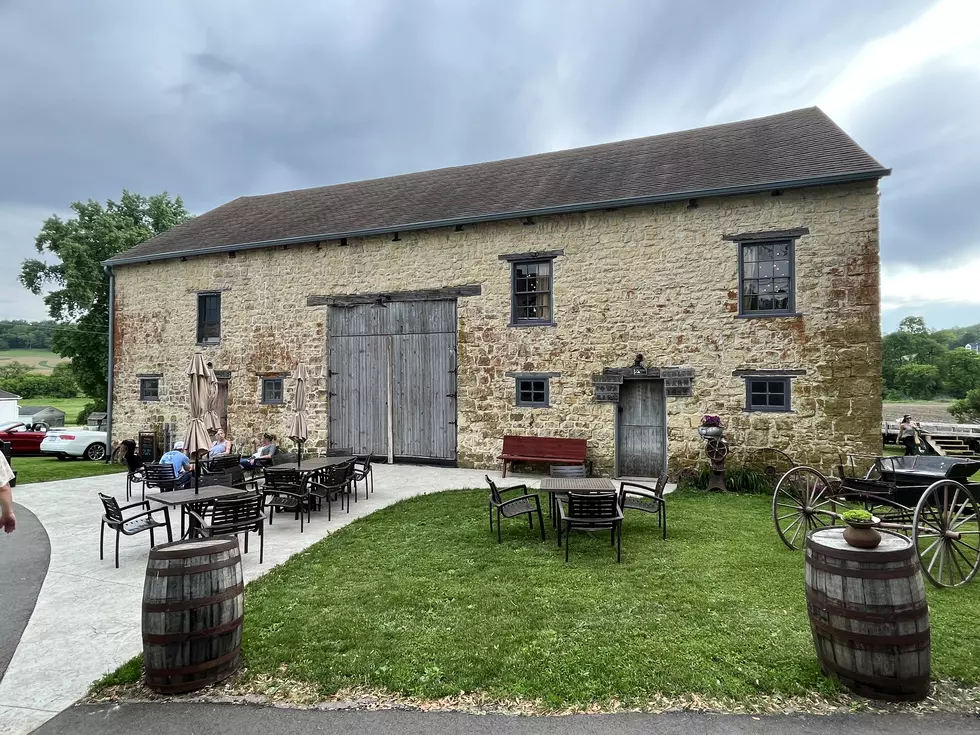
(227, 719)
(24, 558)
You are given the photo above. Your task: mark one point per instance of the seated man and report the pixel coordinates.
(262, 456)
(183, 469)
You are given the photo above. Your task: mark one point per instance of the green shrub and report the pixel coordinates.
(738, 480)
(857, 515)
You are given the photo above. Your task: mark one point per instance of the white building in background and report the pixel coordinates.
(9, 410)
(974, 346)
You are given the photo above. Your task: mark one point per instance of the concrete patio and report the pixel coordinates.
(87, 618)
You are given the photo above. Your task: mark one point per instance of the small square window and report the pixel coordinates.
(208, 317)
(533, 392)
(149, 389)
(766, 279)
(767, 394)
(271, 390)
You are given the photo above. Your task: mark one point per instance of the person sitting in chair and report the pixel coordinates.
(183, 469)
(133, 461)
(221, 444)
(263, 455)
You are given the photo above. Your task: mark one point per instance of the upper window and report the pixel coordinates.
(208, 317)
(764, 393)
(149, 389)
(531, 292)
(767, 278)
(271, 390)
(533, 392)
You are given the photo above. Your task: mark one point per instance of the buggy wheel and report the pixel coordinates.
(946, 535)
(803, 501)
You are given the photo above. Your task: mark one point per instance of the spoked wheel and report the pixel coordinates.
(802, 501)
(947, 535)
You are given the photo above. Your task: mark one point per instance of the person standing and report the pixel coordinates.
(906, 435)
(7, 519)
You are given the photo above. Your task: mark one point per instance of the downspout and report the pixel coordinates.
(111, 376)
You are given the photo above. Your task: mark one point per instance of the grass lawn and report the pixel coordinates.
(42, 361)
(419, 599)
(45, 469)
(71, 406)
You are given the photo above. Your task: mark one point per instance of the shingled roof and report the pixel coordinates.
(789, 150)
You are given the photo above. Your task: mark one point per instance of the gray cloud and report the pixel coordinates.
(216, 100)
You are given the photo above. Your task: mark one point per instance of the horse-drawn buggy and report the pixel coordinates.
(928, 498)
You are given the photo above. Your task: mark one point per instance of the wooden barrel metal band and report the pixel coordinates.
(899, 573)
(158, 638)
(182, 571)
(883, 557)
(213, 663)
(821, 602)
(880, 681)
(163, 607)
(167, 551)
(843, 636)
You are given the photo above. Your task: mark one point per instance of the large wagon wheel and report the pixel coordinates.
(947, 535)
(772, 463)
(803, 500)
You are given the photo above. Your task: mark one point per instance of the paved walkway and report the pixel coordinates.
(23, 564)
(217, 719)
(87, 618)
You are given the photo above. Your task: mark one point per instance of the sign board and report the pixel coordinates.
(677, 372)
(614, 378)
(606, 393)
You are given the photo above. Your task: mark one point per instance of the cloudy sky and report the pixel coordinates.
(215, 99)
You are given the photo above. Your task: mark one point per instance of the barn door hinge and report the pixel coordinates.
(332, 372)
(453, 371)
(450, 395)
(451, 423)
(331, 394)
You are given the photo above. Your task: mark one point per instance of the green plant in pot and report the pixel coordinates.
(860, 530)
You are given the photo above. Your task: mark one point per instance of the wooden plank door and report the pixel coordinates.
(223, 403)
(642, 429)
(421, 337)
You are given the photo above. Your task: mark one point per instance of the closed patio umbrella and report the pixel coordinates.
(197, 439)
(298, 432)
(211, 420)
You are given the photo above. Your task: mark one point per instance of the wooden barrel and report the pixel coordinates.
(193, 605)
(868, 615)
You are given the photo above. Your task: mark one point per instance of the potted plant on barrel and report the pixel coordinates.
(710, 426)
(861, 531)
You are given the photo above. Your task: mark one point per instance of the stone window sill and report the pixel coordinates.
(769, 315)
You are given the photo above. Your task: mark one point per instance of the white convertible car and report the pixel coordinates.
(65, 443)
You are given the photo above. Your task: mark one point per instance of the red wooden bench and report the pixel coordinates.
(542, 449)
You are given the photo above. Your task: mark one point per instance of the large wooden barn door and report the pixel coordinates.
(642, 429)
(416, 342)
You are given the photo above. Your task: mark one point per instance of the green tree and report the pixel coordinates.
(960, 372)
(79, 300)
(913, 325)
(968, 408)
(917, 381)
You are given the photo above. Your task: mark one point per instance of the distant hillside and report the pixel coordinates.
(42, 361)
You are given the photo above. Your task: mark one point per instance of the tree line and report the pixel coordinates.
(921, 364)
(24, 381)
(21, 335)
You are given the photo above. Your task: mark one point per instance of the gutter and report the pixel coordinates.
(518, 214)
(111, 375)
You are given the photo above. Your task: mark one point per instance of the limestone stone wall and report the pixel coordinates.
(658, 280)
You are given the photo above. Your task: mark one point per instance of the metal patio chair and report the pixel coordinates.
(592, 512)
(286, 490)
(129, 525)
(245, 514)
(525, 504)
(633, 496)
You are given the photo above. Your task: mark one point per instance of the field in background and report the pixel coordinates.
(71, 406)
(41, 360)
(929, 411)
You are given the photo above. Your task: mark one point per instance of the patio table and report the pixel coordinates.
(204, 496)
(556, 486)
(317, 463)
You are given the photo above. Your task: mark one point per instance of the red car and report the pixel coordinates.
(24, 438)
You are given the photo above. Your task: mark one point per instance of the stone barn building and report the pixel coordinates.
(451, 307)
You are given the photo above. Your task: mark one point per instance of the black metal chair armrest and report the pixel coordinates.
(137, 504)
(201, 522)
(274, 493)
(148, 513)
(504, 490)
(521, 499)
